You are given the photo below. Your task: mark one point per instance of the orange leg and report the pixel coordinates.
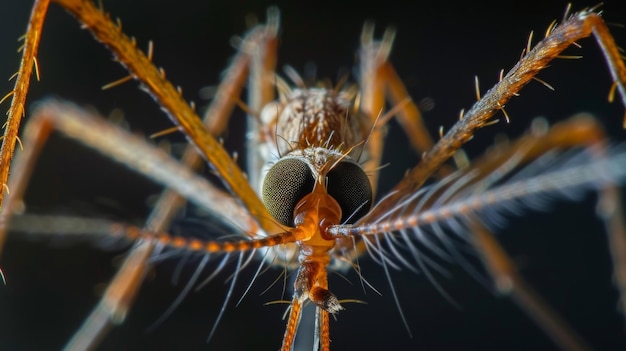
(378, 72)
(119, 295)
(558, 38)
(257, 50)
(22, 82)
(137, 154)
(574, 133)
(181, 113)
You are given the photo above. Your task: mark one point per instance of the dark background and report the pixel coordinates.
(53, 284)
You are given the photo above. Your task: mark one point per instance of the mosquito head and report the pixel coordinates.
(296, 175)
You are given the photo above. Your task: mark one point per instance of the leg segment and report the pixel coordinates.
(119, 295)
(576, 132)
(22, 82)
(557, 39)
(138, 155)
(578, 26)
(170, 99)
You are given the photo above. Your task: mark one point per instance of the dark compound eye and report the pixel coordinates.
(348, 184)
(286, 183)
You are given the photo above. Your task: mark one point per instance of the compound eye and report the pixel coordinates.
(348, 184)
(286, 183)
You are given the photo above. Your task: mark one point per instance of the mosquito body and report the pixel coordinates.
(309, 200)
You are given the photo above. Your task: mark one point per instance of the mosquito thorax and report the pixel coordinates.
(313, 117)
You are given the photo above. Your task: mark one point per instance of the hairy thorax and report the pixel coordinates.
(314, 117)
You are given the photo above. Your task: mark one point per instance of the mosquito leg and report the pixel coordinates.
(22, 82)
(169, 202)
(576, 27)
(610, 206)
(372, 56)
(292, 324)
(257, 49)
(121, 292)
(123, 147)
(410, 117)
(181, 113)
(612, 211)
(322, 321)
(322, 326)
(118, 295)
(255, 58)
(580, 131)
(379, 79)
(34, 137)
(509, 282)
(577, 131)
(133, 58)
(502, 268)
(116, 300)
(261, 88)
(144, 158)
(138, 155)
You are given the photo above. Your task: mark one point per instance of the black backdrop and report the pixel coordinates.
(53, 284)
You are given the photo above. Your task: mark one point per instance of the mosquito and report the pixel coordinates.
(339, 154)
